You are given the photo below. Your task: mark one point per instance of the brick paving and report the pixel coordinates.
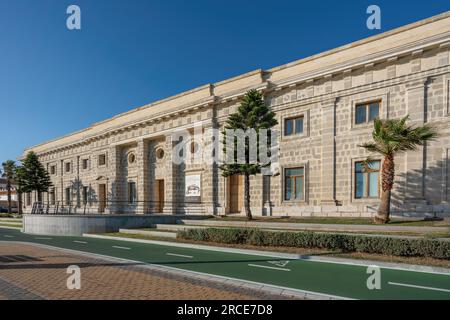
(31, 272)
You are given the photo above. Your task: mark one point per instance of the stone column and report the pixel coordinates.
(78, 184)
(328, 180)
(143, 192)
(61, 171)
(114, 188)
(415, 160)
(47, 193)
(169, 206)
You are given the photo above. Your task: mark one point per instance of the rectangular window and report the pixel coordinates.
(29, 199)
(367, 112)
(68, 196)
(102, 159)
(84, 164)
(367, 179)
(53, 169)
(374, 111)
(85, 194)
(288, 127)
(131, 192)
(293, 126)
(67, 166)
(294, 180)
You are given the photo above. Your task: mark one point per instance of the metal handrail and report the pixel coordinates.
(115, 206)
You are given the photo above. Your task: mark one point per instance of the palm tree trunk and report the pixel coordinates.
(248, 212)
(19, 202)
(8, 189)
(383, 213)
(387, 182)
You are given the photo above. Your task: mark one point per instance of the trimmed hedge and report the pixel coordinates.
(342, 242)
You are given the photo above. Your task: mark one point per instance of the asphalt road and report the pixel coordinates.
(334, 279)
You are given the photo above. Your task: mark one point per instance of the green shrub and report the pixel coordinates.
(341, 242)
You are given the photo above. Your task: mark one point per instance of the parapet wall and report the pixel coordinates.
(77, 225)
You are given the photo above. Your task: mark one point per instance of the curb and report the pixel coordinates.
(13, 228)
(293, 256)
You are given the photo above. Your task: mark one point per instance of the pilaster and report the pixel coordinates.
(415, 160)
(328, 155)
(143, 192)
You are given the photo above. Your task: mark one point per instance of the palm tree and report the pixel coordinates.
(391, 137)
(9, 168)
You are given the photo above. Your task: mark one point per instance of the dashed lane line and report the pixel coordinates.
(417, 287)
(179, 255)
(124, 248)
(267, 267)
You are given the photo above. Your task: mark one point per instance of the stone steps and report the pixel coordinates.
(11, 223)
(176, 227)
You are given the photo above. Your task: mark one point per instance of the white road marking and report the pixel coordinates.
(179, 255)
(418, 287)
(125, 248)
(84, 242)
(6, 236)
(279, 263)
(43, 238)
(267, 267)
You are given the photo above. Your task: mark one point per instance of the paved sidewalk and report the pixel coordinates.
(30, 272)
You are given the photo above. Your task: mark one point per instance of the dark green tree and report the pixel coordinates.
(252, 113)
(35, 176)
(19, 178)
(8, 173)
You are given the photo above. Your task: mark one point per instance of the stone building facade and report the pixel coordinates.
(325, 105)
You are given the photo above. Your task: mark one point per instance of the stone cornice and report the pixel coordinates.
(390, 55)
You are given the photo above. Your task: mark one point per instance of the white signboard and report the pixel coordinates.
(193, 186)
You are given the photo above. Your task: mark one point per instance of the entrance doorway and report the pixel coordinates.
(159, 195)
(235, 193)
(101, 198)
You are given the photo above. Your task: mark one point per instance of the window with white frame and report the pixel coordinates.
(293, 126)
(367, 112)
(367, 179)
(294, 184)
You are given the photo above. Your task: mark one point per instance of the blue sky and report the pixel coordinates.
(131, 52)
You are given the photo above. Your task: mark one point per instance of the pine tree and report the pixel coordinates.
(252, 113)
(19, 178)
(8, 172)
(35, 176)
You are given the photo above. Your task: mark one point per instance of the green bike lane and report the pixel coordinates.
(329, 278)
